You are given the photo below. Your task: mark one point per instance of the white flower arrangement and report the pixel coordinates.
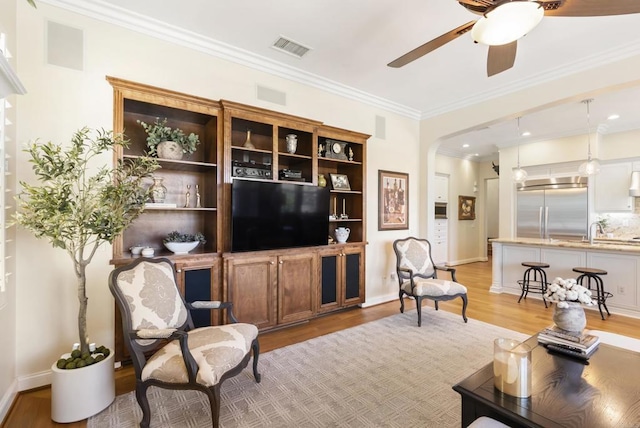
(568, 290)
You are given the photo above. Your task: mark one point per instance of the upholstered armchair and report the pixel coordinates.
(418, 276)
(166, 349)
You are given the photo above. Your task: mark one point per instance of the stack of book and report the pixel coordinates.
(581, 345)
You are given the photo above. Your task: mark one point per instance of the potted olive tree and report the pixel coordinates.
(79, 206)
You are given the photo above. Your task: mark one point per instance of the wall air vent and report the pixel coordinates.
(290, 47)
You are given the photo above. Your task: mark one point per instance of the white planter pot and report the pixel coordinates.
(169, 150)
(80, 393)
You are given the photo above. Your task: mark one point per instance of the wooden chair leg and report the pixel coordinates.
(419, 308)
(143, 402)
(401, 302)
(255, 346)
(464, 307)
(214, 402)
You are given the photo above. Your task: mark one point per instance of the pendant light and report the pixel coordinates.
(591, 166)
(519, 175)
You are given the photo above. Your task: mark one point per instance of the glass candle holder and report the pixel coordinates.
(512, 367)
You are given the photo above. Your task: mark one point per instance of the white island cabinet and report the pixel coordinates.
(622, 263)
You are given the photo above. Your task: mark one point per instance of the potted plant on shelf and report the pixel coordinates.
(182, 243)
(166, 142)
(78, 207)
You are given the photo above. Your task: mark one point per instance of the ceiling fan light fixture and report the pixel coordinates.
(507, 22)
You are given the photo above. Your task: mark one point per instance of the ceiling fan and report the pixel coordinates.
(503, 22)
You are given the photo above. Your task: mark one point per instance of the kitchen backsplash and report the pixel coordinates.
(624, 225)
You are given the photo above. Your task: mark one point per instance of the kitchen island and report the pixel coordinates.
(619, 257)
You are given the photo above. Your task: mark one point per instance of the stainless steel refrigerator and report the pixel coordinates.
(553, 208)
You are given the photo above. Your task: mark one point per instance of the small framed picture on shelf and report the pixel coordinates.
(340, 182)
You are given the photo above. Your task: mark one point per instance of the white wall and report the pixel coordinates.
(464, 235)
(8, 297)
(61, 100)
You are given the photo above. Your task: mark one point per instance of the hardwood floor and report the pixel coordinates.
(32, 409)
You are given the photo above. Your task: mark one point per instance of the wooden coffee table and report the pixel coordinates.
(603, 392)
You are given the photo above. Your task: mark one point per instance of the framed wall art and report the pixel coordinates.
(466, 207)
(339, 182)
(393, 200)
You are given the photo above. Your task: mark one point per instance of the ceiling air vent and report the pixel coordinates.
(290, 47)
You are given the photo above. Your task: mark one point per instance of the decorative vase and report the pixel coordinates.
(342, 234)
(169, 150)
(571, 318)
(322, 182)
(248, 144)
(98, 383)
(158, 191)
(292, 143)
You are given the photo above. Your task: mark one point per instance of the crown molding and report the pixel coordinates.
(121, 17)
(9, 81)
(618, 53)
(100, 10)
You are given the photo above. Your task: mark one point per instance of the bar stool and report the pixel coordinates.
(593, 274)
(539, 282)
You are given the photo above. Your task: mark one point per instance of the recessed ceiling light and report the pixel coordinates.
(476, 154)
(526, 133)
(464, 146)
(613, 117)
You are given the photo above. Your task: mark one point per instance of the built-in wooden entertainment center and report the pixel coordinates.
(270, 288)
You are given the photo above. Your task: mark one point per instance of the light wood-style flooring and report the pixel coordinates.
(32, 409)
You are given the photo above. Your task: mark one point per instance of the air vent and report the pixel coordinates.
(290, 47)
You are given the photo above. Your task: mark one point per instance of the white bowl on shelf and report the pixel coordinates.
(181, 247)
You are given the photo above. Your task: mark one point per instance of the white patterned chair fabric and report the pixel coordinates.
(156, 319)
(418, 276)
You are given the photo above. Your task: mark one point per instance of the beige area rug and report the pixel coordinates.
(386, 373)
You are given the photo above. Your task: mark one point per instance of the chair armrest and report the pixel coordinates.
(201, 304)
(171, 334)
(407, 270)
(214, 304)
(452, 270)
(154, 333)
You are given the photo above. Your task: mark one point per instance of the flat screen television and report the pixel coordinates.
(269, 215)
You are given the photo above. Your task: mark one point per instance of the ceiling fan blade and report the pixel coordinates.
(501, 58)
(431, 46)
(590, 7)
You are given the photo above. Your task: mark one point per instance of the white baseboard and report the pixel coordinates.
(379, 300)
(7, 400)
(34, 380)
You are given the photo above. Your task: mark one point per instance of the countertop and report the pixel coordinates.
(621, 244)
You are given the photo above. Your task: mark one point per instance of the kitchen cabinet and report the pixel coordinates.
(561, 262)
(612, 188)
(440, 242)
(622, 266)
(512, 269)
(622, 279)
(341, 277)
(442, 188)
